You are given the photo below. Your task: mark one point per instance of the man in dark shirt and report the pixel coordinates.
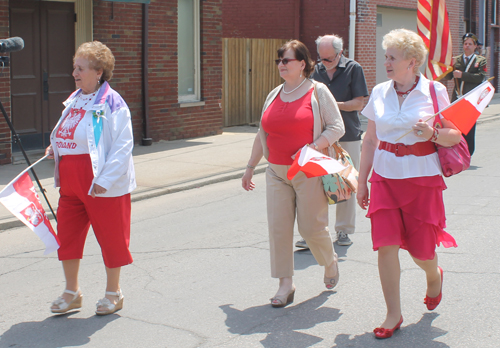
(346, 80)
(469, 71)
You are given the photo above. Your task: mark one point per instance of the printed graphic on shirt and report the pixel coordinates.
(67, 129)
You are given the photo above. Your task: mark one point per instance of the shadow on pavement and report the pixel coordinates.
(281, 324)
(55, 331)
(421, 334)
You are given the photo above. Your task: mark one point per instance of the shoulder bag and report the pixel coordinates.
(453, 159)
(338, 187)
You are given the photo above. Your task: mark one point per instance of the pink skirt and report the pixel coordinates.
(409, 213)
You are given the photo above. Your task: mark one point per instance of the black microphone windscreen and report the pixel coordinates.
(12, 44)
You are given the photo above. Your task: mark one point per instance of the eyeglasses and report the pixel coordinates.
(328, 60)
(284, 61)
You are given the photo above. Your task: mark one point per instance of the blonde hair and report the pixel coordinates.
(99, 57)
(409, 42)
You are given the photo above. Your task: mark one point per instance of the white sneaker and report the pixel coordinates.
(343, 239)
(302, 244)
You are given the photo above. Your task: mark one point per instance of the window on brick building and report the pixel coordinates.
(188, 50)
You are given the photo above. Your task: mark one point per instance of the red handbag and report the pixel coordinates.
(456, 158)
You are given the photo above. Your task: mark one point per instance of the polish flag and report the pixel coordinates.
(21, 199)
(313, 163)
(464, 112)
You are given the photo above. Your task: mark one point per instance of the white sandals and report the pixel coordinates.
(64, 306)
(108, 307)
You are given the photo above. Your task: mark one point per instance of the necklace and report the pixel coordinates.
(86, 100)
(293, 90)
(405, 94)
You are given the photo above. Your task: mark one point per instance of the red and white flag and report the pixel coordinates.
(313, 163)
(21, 199)
(464, 112)
(434, 28)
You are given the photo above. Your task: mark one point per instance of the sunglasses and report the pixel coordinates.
(284, 61)
(328, 60)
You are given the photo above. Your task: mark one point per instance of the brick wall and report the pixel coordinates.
(263, 19)
(366, 23)
(5, 135)
(258, 19)
(123, 34)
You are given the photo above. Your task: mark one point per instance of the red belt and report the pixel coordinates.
(418, 149)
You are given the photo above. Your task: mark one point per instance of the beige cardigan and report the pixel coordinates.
(330, 113)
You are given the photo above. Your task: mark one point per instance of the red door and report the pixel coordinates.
(41, 72)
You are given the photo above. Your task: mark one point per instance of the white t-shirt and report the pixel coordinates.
(71, 137)
(391, 122)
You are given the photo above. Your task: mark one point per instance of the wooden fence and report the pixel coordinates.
(249, 74)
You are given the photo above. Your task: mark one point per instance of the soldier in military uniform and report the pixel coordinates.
(469, 72)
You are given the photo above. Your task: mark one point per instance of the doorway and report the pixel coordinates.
(41, 74)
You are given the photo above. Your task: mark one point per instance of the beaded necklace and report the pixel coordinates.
(293, 90)
(405, 94)
(86, 100)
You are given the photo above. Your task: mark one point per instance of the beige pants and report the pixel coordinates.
(345, 214)
(285, 199)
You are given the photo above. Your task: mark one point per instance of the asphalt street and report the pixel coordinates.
(201, 278)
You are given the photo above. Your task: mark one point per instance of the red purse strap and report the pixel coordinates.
(437, 119)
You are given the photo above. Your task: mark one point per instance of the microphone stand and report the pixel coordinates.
(17, 140)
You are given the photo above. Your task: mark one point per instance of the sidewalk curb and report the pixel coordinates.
(159, 191)
(194, 183)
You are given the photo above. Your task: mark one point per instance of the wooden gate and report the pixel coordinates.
(249, 75)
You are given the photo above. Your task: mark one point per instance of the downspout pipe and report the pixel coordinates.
(352, 28)
(146, 140)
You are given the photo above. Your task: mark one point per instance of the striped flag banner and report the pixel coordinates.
(433, 27)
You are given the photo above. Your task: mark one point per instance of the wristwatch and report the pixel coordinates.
(316, 146)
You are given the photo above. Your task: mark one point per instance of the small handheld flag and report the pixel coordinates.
(313, 163)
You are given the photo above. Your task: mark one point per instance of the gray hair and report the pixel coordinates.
(337, 42)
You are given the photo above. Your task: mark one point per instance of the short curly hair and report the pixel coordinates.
(99, 57)
(301, 53)
(409, 42)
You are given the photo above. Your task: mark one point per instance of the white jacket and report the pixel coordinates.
(110, 141)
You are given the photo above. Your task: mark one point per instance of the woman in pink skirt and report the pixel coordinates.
(406, 206)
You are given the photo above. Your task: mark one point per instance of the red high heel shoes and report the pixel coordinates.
(433, 302)
(380, 332)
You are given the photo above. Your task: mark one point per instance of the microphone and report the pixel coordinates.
(12, 44)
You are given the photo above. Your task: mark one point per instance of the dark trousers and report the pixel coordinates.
(470, 139)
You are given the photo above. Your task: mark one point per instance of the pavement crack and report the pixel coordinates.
(21, 268)
(201, 339)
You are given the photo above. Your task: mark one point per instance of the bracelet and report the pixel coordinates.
(435, 135)
(250, 167)
(316, 146)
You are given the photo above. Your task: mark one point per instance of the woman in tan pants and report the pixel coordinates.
(291, 119)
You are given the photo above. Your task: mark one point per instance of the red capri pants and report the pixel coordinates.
(109, 216)
(409, 213)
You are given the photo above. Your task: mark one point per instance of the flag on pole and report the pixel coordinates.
(433, 27)
(464, 112)
(313, 163)
(21, 199)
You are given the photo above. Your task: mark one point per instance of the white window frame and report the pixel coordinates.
(195, 98)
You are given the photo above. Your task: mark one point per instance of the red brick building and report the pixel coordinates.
(168, 64)
(307, 19)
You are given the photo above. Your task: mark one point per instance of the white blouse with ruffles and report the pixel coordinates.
(391, 122)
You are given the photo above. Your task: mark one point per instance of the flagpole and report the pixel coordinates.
(449, 106)
(17, 140)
